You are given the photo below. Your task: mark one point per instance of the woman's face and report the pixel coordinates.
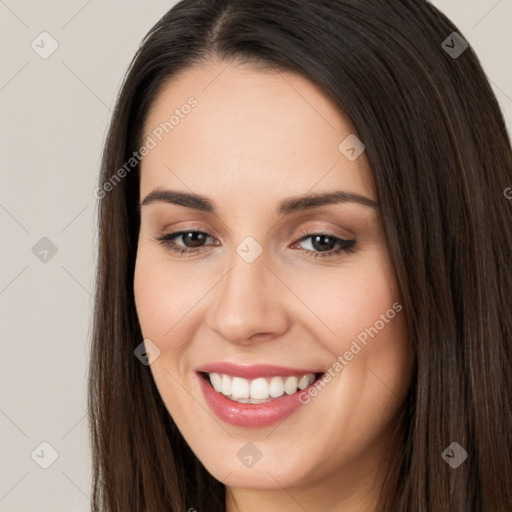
(277, 288)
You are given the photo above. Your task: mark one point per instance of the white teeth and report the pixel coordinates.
(304, 382)
(276, 387)
(216, 381)
(290, 385)
(259, 390)
(240, 388)
(248, 400)
(226, 385)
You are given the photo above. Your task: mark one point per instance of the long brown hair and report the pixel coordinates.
(441, 160)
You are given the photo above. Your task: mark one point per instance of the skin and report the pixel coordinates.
(255, 138)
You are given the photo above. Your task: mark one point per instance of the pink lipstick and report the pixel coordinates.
(253, 395)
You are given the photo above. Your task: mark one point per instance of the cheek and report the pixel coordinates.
(165, 295)
(151, 297)
(164, 311)
(349, 303)
(358, 317)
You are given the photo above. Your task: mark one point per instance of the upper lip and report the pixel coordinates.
(253, 371)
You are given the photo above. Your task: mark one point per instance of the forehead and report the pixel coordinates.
(249, 127)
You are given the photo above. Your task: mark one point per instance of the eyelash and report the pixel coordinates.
(347, 246)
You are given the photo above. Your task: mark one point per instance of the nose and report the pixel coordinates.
(248, 305)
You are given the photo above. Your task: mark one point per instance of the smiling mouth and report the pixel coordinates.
(260, 390)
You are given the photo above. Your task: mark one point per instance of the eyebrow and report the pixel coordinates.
(286, 207)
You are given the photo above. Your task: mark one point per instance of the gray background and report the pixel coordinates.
(54, 115)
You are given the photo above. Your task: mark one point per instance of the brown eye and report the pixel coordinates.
(192, 240)
(323, 245)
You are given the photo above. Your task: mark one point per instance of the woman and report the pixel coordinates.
(303, 290)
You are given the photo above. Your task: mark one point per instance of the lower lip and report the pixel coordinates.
(249, 415)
